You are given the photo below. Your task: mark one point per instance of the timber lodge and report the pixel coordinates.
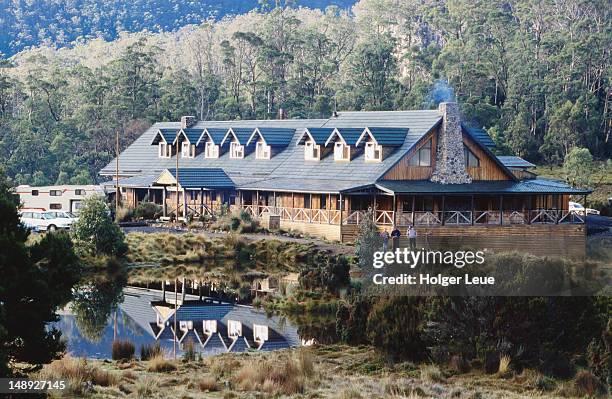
(320, 176)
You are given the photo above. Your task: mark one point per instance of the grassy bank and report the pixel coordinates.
(323, 372)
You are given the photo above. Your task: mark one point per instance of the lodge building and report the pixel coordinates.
(320, 176)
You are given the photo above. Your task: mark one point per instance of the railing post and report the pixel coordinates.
(443, 210)
(501, 210)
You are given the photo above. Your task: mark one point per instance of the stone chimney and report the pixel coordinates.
(282, 114)
(188, 121)
(450, 159)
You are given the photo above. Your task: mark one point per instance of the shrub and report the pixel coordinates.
(459, 364)
(122, 350)
(150, 351)
(160, 364)
(95, 233)
(124, 214)
(147, 210)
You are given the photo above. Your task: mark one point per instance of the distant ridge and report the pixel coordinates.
(61, 22)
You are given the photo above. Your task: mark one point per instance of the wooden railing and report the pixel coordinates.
(426, 218)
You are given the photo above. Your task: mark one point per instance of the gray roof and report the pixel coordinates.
(288, 166)
(540, 186)
(138, 181)
(511, 161)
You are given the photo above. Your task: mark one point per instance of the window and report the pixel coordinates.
(210, 326)
(307, 201)
(211, 150)
(323, 201)
(165, 150)
(34, 193)
(55, 193)
(234, 328)
(342, 152)
(262, 151)
(423, 156)
(236, 150)
(188, 150)
(79, 191)
(312, 151)
(260, 333)
(471, 160)
(373, 152)
(55, 206)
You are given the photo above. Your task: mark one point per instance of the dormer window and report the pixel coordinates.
(236, 150)
(342, 152)
(262, 151)
(188, 150)
(165, 150)
(471, 160)
(422, 157)
(211, 150)
(373, 152)
(312, 151)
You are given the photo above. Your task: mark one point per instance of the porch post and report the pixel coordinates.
(164, 201)
(149, 194)
(443, 210)
(413, 203)
(374, 207)
(292, 200)
(201, 201)
(164, 290)
(341, 206)
(473, 211)
(185, 203)
(394, 207)
(501, 210)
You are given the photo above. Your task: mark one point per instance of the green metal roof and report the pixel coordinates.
(318, 134)
(168, 135)
(275, 137)
(209, 178)
(386, 136)
(216, 135)
(514, 162)
(192, 135)
(241, 134)
(536, 186)
(480, 135)
(349, 135)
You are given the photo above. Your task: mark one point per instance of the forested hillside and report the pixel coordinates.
(60, 22)
(535, 74)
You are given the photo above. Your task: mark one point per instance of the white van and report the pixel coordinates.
(43, 221)
(580, 210)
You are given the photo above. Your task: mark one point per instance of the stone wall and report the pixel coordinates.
(450, 159)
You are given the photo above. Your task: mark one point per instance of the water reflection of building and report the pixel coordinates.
(215, 327)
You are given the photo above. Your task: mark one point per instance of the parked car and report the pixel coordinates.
(580, 210)
(63, 215)
(43, 221)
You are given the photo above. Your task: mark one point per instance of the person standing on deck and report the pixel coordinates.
(395, 236)
(385, 237)
(412, 236)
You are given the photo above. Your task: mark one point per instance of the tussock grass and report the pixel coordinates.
(432, 373)
(287, 375)
(159, 364)
(504, 366)
(208, 384)
(149, 351)
(78, 373)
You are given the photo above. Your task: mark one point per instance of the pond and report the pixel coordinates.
(104, 311)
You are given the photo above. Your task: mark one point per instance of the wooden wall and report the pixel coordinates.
(328, 231)
(403, 171)
(488, 169)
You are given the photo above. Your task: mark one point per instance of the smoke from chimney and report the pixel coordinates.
(441, 92)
